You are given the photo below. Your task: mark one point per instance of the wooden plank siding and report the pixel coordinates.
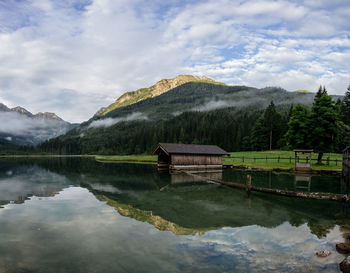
(196, 159)
(189, 156)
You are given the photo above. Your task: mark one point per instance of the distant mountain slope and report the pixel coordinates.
(18, 126)
(197, 96)
(194, 112)
(155, 90)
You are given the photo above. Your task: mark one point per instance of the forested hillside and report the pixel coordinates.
(194, 112)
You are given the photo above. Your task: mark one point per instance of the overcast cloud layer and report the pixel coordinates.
(73, 56)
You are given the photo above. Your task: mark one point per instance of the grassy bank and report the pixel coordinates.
(151, 159)
(269, 160)
(244, 159)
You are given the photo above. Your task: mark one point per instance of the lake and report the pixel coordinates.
(78, 215)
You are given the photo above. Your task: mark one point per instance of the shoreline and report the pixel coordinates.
(149, 159)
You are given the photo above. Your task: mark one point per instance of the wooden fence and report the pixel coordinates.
(279, 159)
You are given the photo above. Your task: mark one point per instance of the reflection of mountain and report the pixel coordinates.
(147, 216)
(17, 184)
(140, 192)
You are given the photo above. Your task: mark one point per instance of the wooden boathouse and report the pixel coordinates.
(189, 156)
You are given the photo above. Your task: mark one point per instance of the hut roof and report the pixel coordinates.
(171, 148)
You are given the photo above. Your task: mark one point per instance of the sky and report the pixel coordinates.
(72, 57)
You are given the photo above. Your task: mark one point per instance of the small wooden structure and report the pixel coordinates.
(303, 160)
(189, 156)
(346, 165)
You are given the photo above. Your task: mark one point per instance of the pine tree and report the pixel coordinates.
(272, 121)
(298, 132)
(345, 108)
(321, 91)
(323, 119)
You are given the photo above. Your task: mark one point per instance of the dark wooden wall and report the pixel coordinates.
(196, 159)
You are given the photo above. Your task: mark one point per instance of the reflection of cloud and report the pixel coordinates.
(106, 122)
(281, 249)
(35, 181)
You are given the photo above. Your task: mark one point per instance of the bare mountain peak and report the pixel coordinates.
(22, 111)
(47, 115)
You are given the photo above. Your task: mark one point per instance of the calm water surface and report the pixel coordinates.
(78, 215)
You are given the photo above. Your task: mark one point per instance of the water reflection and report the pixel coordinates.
(287, 181)
(84, 216)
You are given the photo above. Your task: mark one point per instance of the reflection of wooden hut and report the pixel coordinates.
(182, 178)
(346, 165)
(302, 182)
(303, 160)
(188, 156)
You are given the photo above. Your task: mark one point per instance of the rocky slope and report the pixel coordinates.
(155, 90)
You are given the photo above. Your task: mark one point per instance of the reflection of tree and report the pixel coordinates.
(320, 227)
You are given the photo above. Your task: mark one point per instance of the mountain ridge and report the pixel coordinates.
(18, 126)
(155, 90)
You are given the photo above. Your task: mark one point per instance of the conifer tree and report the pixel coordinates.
(323, 124)
(345, 108)
(272, 121)
(297, 135)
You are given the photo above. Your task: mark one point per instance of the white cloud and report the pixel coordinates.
(72, 61)
(107, 122)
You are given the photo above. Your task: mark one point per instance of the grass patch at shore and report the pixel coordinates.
(285, 162)
(151, 159)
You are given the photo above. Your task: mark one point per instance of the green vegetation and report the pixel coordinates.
(345, 107)
(321, 129)
(128, 158)
(303, 91)
(286, 160)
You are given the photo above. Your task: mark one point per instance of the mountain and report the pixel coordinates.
(194, 112)
(155, 90)
(18, 126)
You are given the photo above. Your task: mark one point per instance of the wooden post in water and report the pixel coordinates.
(248, 184)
